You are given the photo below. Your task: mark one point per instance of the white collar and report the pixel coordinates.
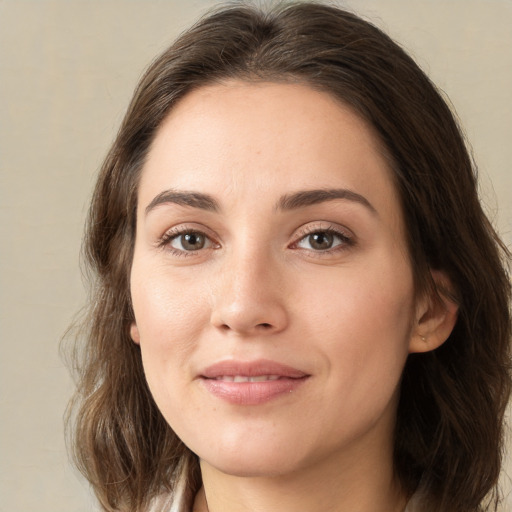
(176, 501)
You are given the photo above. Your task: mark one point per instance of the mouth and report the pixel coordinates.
(261, 369)
(243, 378)
(251, 383)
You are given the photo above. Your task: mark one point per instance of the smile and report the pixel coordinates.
(243, 378)
(251, 383)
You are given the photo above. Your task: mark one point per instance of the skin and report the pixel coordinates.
(345, 315)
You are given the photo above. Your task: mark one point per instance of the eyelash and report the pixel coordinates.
(346, 241)
(172, 234)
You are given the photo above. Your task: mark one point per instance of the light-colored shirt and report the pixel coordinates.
(177, 503)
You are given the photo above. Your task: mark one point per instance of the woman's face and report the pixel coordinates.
(271, 285)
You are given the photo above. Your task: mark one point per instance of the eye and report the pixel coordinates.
(181, 242)
(319, 241)
(324, 240)
(191, 241)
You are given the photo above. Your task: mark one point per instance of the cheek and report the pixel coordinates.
(364, 345)
(163, 305)
(365, 317)
(371, 299)
(170, 319)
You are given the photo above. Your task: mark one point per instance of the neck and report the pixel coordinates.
(361, 483)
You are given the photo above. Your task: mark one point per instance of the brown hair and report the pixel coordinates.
(450, 416)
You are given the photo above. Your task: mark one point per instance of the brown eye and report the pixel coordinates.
(324, 240)
(190, 241)
(321, 240)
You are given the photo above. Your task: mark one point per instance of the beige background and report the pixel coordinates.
(67, 69)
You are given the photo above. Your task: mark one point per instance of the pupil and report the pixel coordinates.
(193, 241)
(321, 240)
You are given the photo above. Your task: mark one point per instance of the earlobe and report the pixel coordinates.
(436, 316)
(134, 333)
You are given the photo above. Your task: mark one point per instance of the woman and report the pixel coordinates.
(299, 304)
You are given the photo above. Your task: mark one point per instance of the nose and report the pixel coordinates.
(250, 298)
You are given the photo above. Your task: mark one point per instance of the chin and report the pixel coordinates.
(246, 467)
(257, 459)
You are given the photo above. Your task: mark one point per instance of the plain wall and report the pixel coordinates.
(67, 70)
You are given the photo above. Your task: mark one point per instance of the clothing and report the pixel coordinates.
(178, 504)
(166, 503)
(178, 501)
(172, 503)
(414, 504)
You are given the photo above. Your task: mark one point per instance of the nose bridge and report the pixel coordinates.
(250, 298)
(249, 267)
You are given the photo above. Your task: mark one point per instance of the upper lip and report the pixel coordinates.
(251, 369)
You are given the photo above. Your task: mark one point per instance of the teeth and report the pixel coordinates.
(243, 378)
(259, 378)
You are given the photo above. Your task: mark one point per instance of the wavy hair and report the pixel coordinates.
(450, 418)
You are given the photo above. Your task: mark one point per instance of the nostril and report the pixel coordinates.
(265, 325)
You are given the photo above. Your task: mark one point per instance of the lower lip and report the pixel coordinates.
(252, 393)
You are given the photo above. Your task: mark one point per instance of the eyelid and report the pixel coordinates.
(164, 241)
(346, 235)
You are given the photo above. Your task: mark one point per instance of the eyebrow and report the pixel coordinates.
(287, 202)
(185, 198)
(305, 198)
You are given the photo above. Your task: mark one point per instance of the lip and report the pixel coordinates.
(283, 379)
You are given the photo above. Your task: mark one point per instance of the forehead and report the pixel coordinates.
(263, 139)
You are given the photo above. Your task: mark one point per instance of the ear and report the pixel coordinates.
(436, 314)
(134, 333)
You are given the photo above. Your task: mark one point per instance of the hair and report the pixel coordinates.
(450, 419)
